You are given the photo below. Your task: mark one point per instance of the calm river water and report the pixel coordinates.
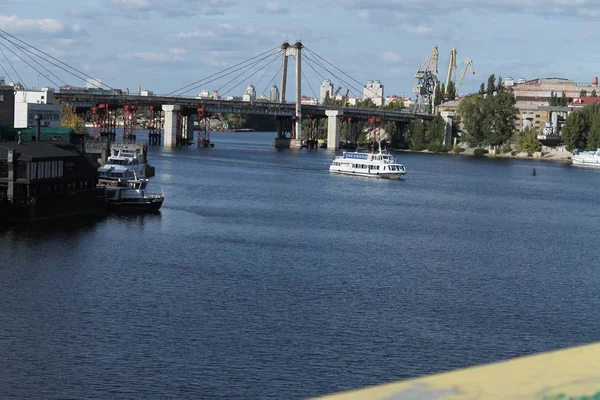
(266, 277)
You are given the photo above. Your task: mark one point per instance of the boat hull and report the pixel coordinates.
(590, 163)
(134, 205)
(379, 175)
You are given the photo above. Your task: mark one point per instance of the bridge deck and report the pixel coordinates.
(571, 374)
(232, 106)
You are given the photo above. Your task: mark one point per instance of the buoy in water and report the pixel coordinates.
(533, 172)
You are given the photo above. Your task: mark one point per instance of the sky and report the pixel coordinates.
(164, 45)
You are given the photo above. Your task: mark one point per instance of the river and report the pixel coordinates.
(266, 277)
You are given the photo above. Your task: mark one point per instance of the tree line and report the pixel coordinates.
(582, 128)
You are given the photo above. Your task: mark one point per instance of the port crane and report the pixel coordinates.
(336, 92)
(451, 68)
(468, 65)
(426, 77)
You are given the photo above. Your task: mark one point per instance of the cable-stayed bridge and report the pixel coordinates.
(171, 116)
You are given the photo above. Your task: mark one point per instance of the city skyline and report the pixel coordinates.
(107, 39)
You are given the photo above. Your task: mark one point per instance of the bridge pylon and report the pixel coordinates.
(295, 51)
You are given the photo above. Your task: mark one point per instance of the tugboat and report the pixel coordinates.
(131, 195)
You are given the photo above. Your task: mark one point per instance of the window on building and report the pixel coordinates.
(1, 97)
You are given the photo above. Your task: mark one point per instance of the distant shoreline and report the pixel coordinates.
(552, 156)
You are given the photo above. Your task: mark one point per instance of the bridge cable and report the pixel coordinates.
(12, 66)
(364, 86)
(310, 86)
(221, 76)
(28, 54)
(254, 73)
(30, 66)
(229, 73)
(56, 65)
(343, 81)
(265, 72)
(316, 72)
(6, 72)
(94, 80)
(220, 72)
(272, 80)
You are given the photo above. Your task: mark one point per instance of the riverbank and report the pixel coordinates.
(547, 154)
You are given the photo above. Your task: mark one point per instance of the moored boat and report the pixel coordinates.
(587, 159)
(377, 165)
(131, 195)
(125, 162)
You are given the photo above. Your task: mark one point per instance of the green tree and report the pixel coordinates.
(500, 118)
(500, 85)
(564, 100)
(594, 94)
(451, 95)
(482, 88)
(70, 119)
(574, 131)
(491, 85)
(438, 96)
(367, 103)
(473, 117)
(436, 130)
(583, 93)
(395, 105)
(553, 99)
(593, 136)
(529, 142)
(417, 139)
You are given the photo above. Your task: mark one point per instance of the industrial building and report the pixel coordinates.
(37, 101)
(538, 91)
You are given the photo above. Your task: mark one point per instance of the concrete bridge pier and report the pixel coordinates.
(170, 132)
(333, 129)
(448, 117)
(285, 131)
(187, 131)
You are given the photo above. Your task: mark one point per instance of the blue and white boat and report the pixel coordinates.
(376, 165)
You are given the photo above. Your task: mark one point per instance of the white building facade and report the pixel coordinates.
(250, 94)
(274, 94)
(326, 87)
(374, 90)
(31, 102)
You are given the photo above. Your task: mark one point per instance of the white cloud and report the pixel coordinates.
(177, 51)
(133, 4)
(391, 57)
(151, 57)
(419, 30)
(364, 14)
(582, 8)
(14, 24)
(174, 8)
(273, 7)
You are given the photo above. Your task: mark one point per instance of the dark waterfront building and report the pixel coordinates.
(46, 179)
(7, 106)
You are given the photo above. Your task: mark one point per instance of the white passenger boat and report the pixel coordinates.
(124, 162)
(131, 195)
(377, 165)
(587, 159)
